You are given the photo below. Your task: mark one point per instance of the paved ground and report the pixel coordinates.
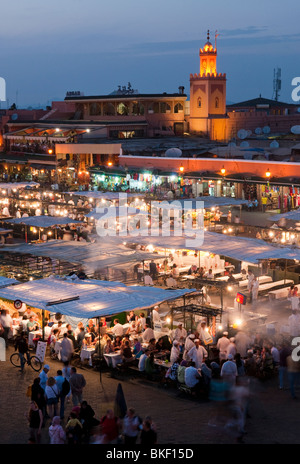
(274, 414)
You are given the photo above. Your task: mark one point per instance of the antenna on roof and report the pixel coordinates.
(276, 84)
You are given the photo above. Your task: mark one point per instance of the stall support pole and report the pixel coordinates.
(99, 335)
(144, 271)
(43, 325)
(285, 270)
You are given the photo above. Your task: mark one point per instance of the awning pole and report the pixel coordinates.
(43, 325)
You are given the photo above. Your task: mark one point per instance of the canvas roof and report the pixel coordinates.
(88, 298)
(43, 221)
(240, 248)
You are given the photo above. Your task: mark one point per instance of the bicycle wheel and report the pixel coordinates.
(35, 363)
(15, 360)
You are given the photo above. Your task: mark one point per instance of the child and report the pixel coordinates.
(73, 429)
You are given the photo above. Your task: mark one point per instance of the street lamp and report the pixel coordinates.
(268, 174)
(223, 171)
(181, 169)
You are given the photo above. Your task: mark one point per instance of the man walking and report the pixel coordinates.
(77, 384)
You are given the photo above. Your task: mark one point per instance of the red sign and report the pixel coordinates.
(240, 298)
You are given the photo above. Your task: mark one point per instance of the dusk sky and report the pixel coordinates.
(93, 46)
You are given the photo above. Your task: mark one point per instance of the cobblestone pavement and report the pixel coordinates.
(180, 420)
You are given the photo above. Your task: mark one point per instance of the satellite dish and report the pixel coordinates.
(173, 153)
(258, 131)
(242, 134)
(266, 130)
(298, 109)
(249, 132)
(14, 117)
(248, 156)
(295, 130)
(244, 145)
(274, 144)
(232, 144)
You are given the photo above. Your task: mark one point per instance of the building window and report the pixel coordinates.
(178, 108)
(122, 109)
(164, 107)
(109, 109)
(95, 109)
(137, 109)
(217, 102)
(153, 107)
(199, 102)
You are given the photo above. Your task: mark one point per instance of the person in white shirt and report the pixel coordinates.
(275, 355)
(7, 323)
(180, 334)
(175, 271)
(141, 321)
(5, 211)
(148, 279)
(175, 352)
(133, 329)
(118, 329)
(242, 343)
(254, 289)
(66, 348)
(250, 280)
(171, 282)
(231, 348)
(77, 330)
(155, 315)
(294, 324)
(209, 275)
(197, 353)
(188, 345)
(148, 334)
(222, 346)
(229, 371)
(47, 330)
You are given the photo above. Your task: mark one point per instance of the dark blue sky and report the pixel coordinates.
(94, 46)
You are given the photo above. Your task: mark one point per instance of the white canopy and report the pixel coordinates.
(99, 255)
(104, 195)
(88, 298)
(5, 281)
(17, 185)
(241, 248)
(195, 203)
(290, 215)
(43, 221)
(114, 212)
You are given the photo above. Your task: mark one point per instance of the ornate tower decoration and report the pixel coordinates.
(208, 59)
(208, 95)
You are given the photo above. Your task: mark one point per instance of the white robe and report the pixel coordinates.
(222, 346)
(197, 354)
(66, 349)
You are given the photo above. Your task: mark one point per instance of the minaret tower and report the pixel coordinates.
(208, 96)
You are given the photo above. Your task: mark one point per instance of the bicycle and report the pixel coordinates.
(32, 361)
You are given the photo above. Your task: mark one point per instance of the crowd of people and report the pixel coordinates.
(48, 395)
(212, 367)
